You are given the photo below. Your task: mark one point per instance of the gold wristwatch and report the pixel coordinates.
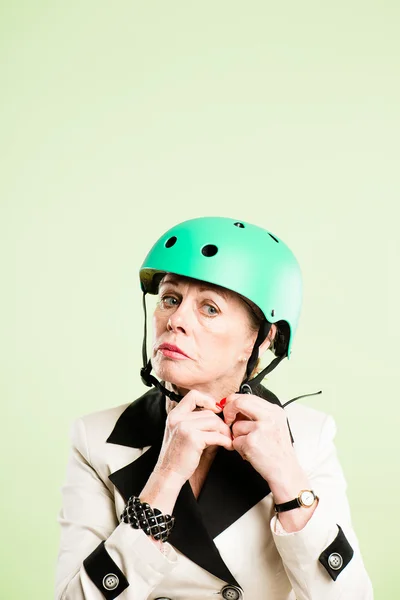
(305, 498)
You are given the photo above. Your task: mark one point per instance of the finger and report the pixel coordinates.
(176, 417)
(239, 444)
(242, 428)
(190, 426)
(213, 438)
(249, 405)
(199, 414)
(212, 424)
(195, 399)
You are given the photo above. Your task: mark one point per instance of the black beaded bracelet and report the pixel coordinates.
(140, 515)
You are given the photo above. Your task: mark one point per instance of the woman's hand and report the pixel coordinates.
(261, 436)
(188, 432)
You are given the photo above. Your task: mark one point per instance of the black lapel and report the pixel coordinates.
(232, 486)
(142, 422)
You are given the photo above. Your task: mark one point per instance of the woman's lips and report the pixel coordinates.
(172, 351)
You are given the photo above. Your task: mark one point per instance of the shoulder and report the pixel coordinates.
(99, 423)
(103, 420)
(309, 422)
(89, 432)
(313, 432)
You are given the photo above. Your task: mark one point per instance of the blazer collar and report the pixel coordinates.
(232, 486)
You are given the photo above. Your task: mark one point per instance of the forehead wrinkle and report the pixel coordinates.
(217, 290)
(175, 281)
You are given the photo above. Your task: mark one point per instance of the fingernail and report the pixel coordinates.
(221, 403)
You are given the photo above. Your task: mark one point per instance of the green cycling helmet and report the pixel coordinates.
(236, 255)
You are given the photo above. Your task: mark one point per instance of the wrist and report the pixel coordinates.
(162, 490)
(168, 477)
(297, 519)
(289, 485)
(140, 515)
(286, 490)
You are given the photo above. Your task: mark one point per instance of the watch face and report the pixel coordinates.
(307, 498)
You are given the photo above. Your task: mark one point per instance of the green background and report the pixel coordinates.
(119, 120)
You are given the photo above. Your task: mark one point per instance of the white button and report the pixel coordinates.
(335, 561)
(110, 581)
(231, 592)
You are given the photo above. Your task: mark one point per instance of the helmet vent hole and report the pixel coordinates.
(209, 250)
(274, 238)
(239, 225)
(172, 240)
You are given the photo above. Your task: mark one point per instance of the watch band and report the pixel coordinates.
(296, 503)
(287, 505)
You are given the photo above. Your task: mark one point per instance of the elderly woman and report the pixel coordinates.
(206, 487)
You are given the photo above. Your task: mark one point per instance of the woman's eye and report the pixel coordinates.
(211, 311)
(168, 301)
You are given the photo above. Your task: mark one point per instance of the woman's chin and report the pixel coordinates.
(174, 374)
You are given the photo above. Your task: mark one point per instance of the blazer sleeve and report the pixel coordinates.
(99, 557)
(323, 559)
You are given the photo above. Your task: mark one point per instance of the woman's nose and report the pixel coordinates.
(180, 319)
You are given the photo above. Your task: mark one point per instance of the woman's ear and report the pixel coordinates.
(268, 340)
(263, 347)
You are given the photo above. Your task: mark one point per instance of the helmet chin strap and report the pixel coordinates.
(247, 386)
(145, 371)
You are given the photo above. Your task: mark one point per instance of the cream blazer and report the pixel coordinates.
(224, 545)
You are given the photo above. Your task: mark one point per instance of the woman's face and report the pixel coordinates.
(202, 336)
